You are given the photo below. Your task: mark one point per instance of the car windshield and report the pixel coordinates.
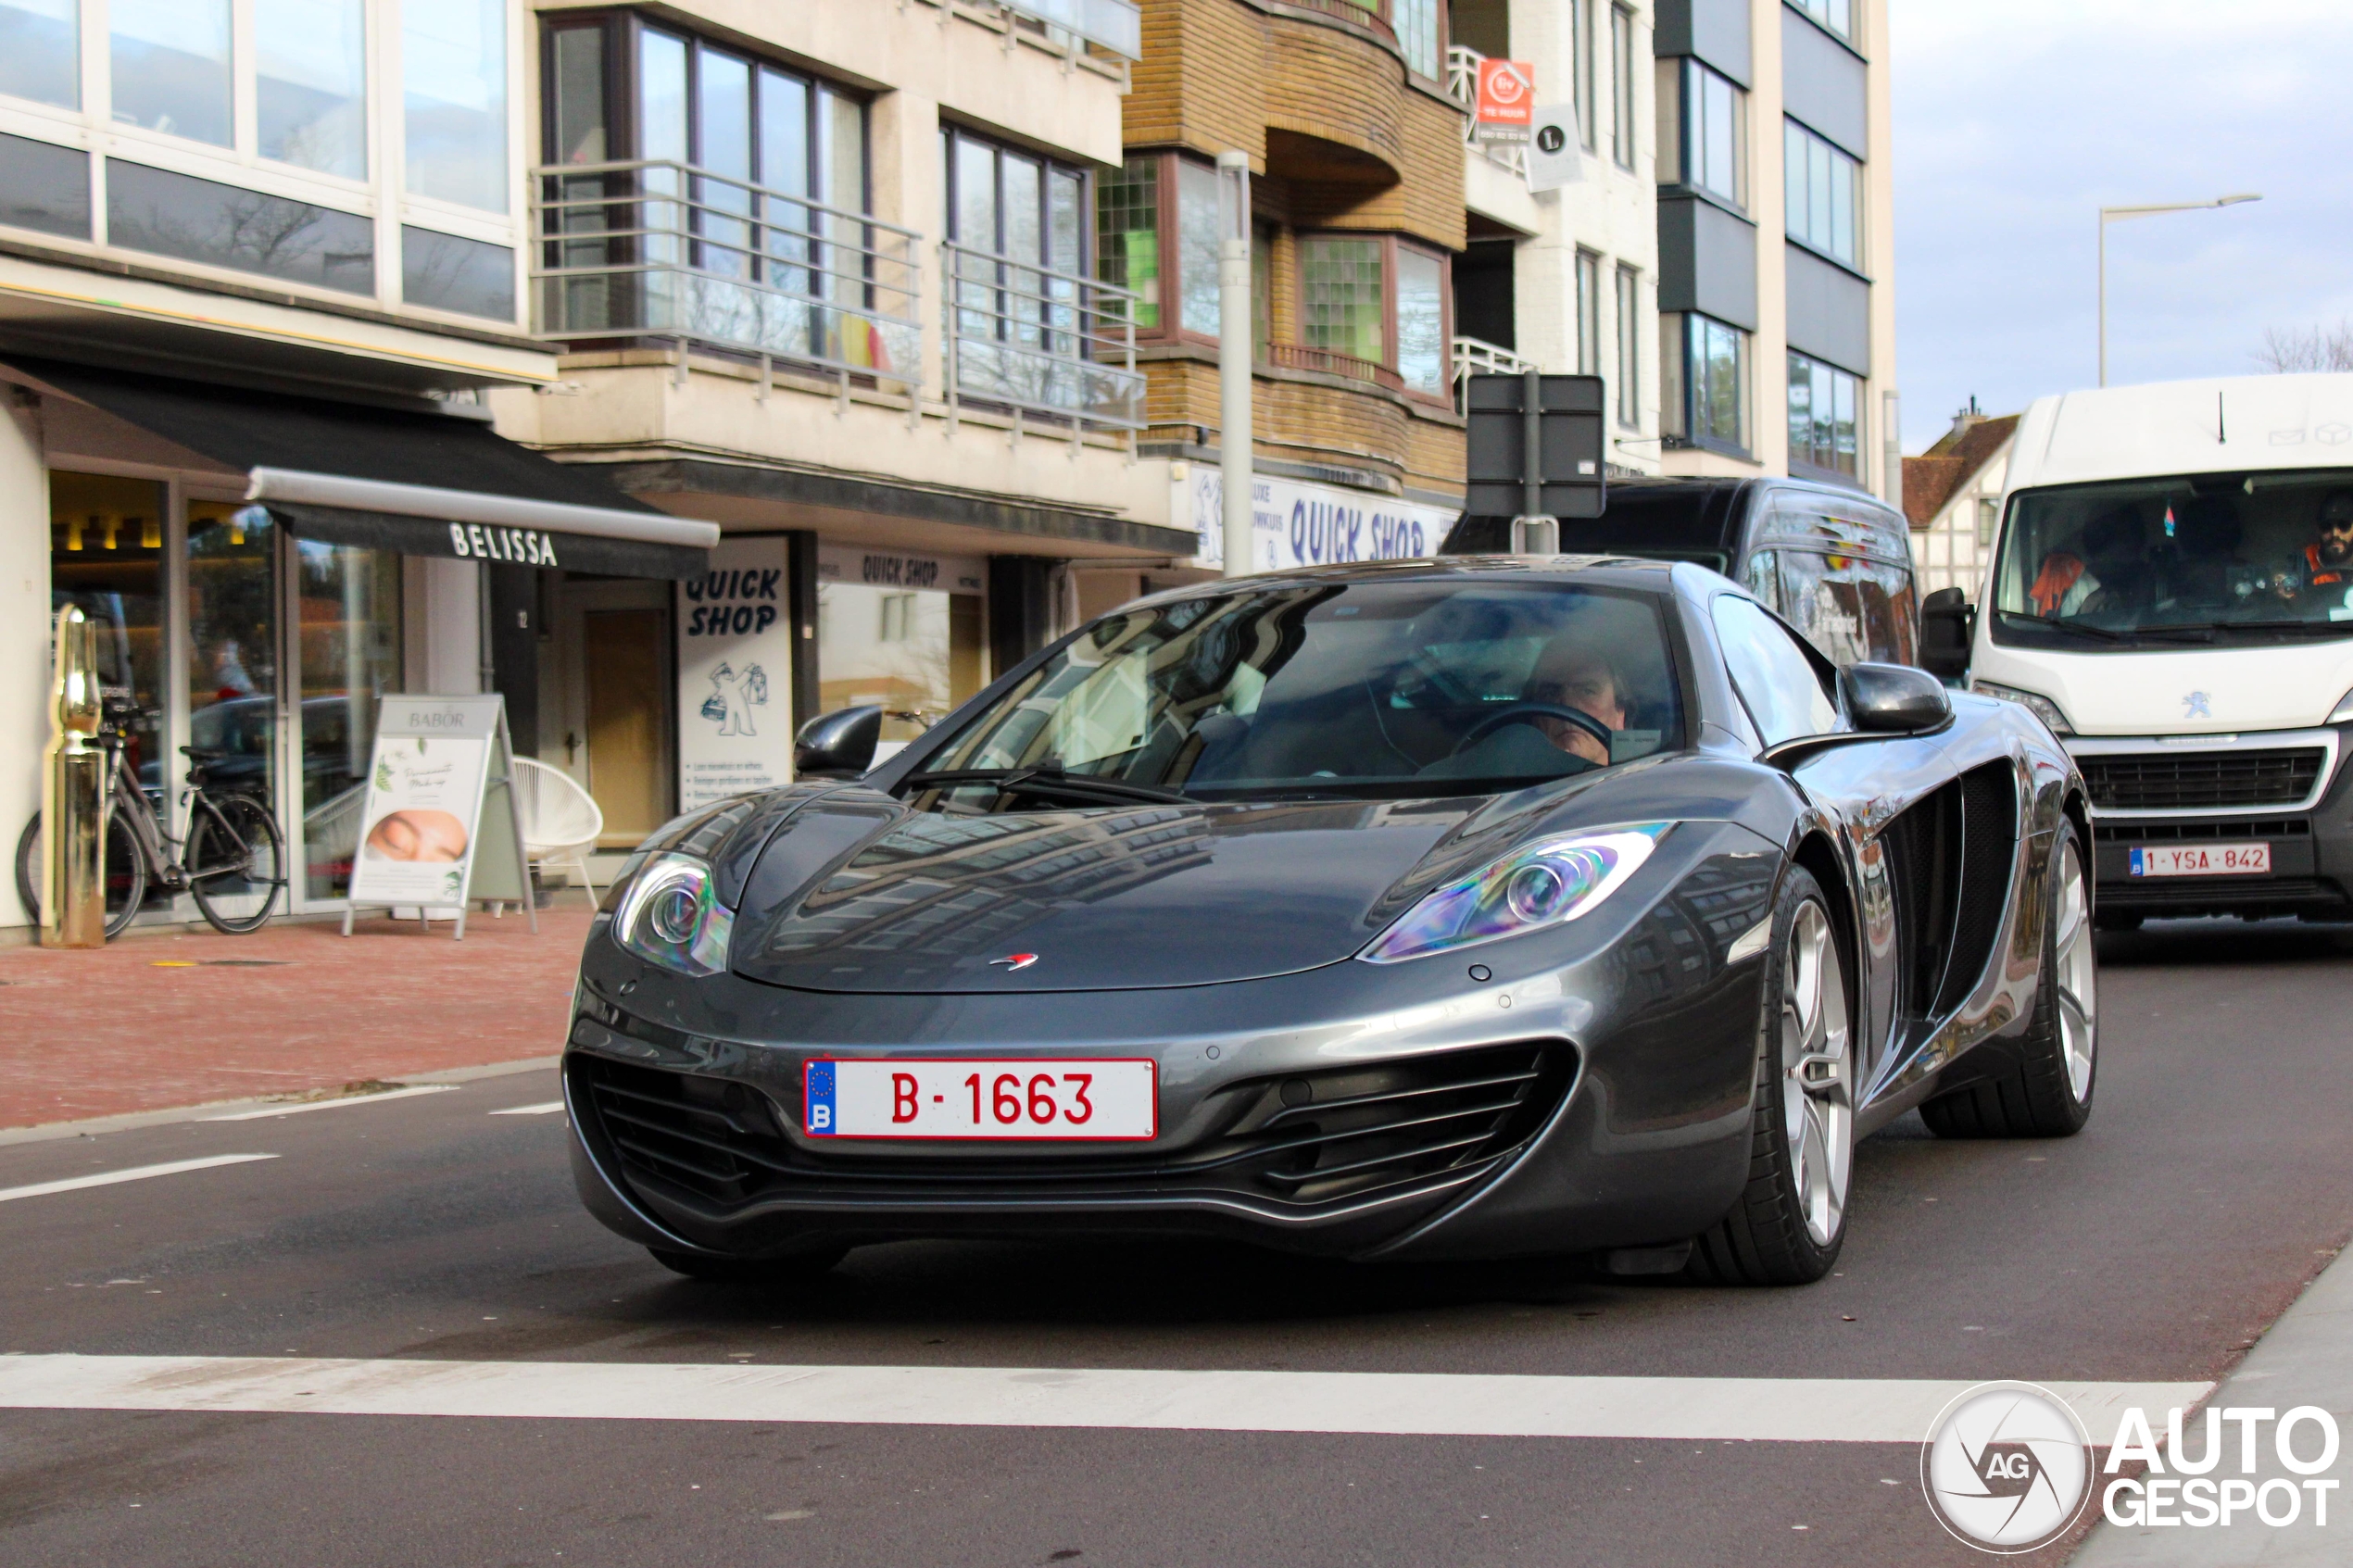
(2222, 558)
(1387, 689)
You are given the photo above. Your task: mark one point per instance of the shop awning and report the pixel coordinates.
(397, 478)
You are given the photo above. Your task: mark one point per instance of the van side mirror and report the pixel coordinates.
(839, 744)
(1948, 626)
(1894, 700)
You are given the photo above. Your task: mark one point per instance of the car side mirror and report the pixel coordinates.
(839, 744)
(1948, 625)
(1895, 699)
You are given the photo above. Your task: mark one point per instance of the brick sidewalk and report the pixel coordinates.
(152, 1022)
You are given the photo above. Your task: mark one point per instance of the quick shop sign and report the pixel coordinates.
(1293, 523)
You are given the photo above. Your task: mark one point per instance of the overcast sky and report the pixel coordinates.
(2017, 119)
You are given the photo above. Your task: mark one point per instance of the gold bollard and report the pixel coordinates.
(73, 795)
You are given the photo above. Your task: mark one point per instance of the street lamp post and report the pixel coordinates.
(2111, 214)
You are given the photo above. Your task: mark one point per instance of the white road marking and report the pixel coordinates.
(1696, 1409)
(136, 1174)
(292, 1107)
(530, 1110)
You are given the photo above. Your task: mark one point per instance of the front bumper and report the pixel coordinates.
(1596, 1095)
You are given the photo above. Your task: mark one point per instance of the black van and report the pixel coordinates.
(1836, 563)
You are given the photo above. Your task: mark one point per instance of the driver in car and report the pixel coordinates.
(1573, 675)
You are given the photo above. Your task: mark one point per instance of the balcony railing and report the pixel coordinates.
(651, 248)
(1039, 341)
(1331, 362)
(1116, 25)
(1474, 357)
(1462, 85)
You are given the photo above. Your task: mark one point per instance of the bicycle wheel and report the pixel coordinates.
(236, 862)
(126, 872)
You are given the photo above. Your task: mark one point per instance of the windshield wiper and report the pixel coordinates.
(2013, 617)
(1048, 779)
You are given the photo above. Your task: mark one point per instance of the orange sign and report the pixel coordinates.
(1506, 93)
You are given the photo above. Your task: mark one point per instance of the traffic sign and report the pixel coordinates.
(1566, 477)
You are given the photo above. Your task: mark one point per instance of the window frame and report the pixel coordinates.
(1691, 79)
(1797, 172)
(1390, 244)
(1589, 312)
(1813, 469)
(1676, 411)
(1581, 25)
(1628, 303)
(1622, 22)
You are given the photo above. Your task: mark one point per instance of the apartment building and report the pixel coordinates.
(1356, 218)
(259, 262)
(1776, 241)
(1566, 281)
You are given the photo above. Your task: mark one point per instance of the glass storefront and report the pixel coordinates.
(106, 554)
(232, 644)
(350, 602)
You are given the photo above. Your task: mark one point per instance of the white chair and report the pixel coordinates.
(560, 820)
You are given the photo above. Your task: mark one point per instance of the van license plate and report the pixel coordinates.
(1016, 1097)
(2202, 859)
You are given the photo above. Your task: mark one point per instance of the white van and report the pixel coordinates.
(2172, 592)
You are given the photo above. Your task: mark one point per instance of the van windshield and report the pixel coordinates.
(2233, 559)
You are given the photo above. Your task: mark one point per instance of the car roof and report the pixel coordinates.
(1601, 570)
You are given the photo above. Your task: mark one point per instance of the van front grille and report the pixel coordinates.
(2197, 780)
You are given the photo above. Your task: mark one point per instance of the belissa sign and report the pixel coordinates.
(522, 546)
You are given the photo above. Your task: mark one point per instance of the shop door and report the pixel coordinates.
(626, 654)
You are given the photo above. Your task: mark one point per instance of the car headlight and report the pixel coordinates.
(670, 915)
(2343, 712)
(2043, 707)
(1545, 883)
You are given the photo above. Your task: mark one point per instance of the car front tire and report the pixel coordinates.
(1791, 1220)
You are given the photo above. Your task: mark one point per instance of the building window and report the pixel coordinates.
(1621, 85)
(1988, 511)
(1196, 246)
(1836, 14)
(47, 187)
(449, 272)
(1824, 424)
(1589, 314)
(169, 61)
(898, 618)
(1630, 362)
(1127, 232)
(40, 51)
(1705, 365)
(1709, 124)
(1421, 321)
(310, 85)
(1580, 44)
(1341, 296)
(453, 67)
(178, 215)
(1417, 35)
(1823, 196)
(1015, 205)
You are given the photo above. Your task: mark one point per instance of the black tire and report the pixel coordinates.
(126, 872)
(234, 852)
(793, 1269)
(2046, 1092)
(1787, 1228)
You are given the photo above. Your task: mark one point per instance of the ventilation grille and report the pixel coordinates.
(1951, 855)
(1306, 1139)
(2200, 781)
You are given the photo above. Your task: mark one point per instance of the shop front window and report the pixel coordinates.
(350, 607)
(233, 632)
(917, 654)
(105, 555)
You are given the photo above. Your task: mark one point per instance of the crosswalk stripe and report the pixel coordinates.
(540, 1109)
(136, 1174)
(1692, 1408)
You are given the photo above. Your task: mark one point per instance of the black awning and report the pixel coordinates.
(248, 429)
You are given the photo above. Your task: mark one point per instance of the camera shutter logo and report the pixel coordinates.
(2006, 1467)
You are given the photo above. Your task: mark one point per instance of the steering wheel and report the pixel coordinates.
(1521, 712)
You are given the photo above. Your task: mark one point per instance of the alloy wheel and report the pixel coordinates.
(1818, 1066)
(2077, 974)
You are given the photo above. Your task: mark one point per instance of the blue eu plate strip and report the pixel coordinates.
(818, 1098)
(2140, 866)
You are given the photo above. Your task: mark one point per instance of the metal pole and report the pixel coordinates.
(73, 798)
(1234, 347)
(2103, 298)
(1532, 440)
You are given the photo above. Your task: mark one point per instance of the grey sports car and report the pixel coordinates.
(1474, 908)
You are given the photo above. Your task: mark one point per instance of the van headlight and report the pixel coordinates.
(671, 915)
(2043, 707)
(1546, 883)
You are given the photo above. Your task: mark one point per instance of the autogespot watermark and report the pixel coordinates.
(2008, 1467)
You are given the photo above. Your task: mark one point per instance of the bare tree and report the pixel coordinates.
(2289, 349)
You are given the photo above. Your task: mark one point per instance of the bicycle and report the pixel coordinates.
(233, 848)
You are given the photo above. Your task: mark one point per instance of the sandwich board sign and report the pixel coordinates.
(442, 824)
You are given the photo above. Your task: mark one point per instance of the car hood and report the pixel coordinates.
(857, 892)
(2184, 691)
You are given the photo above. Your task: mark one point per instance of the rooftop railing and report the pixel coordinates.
(655, 249)
(1462, 85)
(1116, 25)
(1039, 341)
(1474, 357)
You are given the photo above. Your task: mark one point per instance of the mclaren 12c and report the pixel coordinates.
(1457, 908)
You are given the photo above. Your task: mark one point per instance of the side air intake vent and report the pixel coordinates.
(1951, 856)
